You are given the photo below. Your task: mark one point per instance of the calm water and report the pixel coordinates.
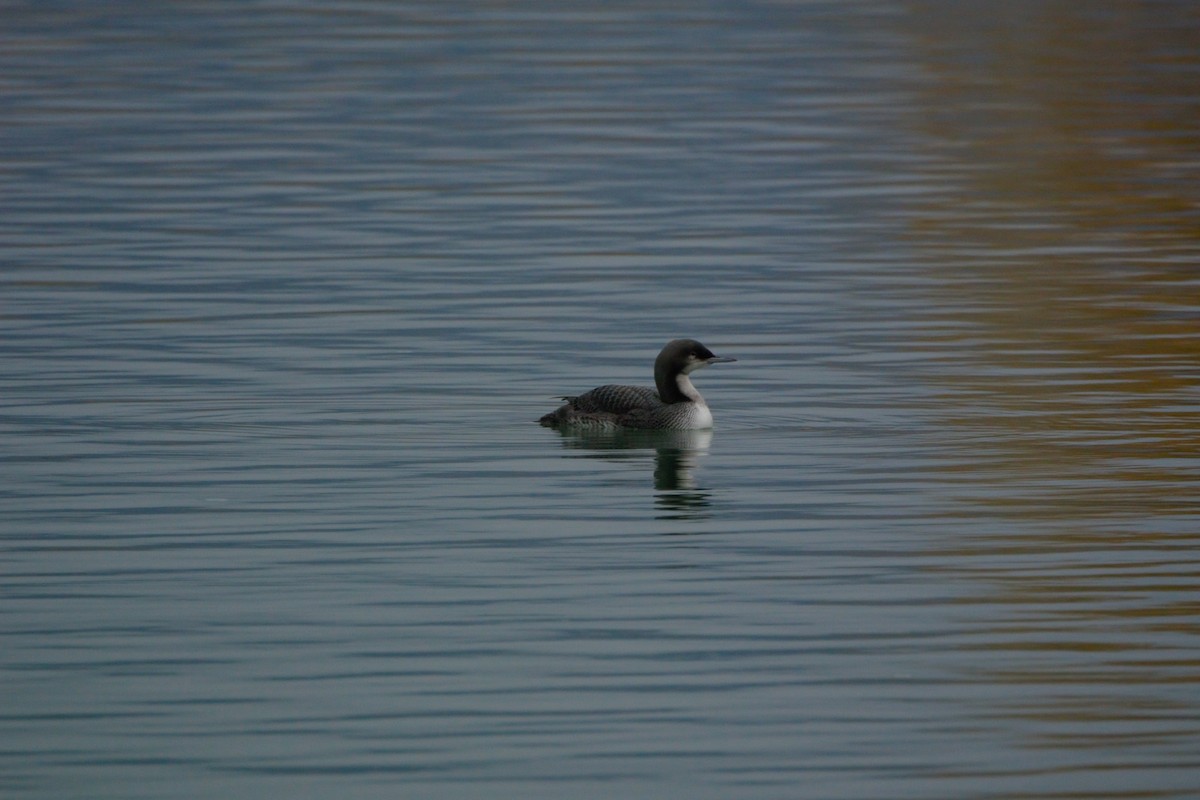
(284, 286)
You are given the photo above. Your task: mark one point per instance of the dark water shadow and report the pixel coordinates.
(676, 456)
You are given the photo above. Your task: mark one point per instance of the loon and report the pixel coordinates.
(676, 405)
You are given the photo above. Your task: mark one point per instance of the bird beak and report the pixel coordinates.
(719, 360)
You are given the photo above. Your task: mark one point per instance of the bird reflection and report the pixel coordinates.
(676, 454)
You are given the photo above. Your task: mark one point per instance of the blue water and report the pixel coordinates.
(284, 287)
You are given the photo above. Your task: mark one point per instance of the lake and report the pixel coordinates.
(285, 287)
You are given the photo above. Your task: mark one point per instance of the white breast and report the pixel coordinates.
(700, 418)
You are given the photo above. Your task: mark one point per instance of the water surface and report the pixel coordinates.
(284, 289)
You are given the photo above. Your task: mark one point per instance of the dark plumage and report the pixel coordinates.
(673, 405)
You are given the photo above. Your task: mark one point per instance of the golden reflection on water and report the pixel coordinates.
(1064, 256)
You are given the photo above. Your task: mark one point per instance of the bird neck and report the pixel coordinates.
(676, 388)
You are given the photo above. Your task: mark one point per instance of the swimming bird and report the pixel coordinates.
(676, 405)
